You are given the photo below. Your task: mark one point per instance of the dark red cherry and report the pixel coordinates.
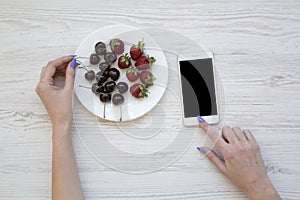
(101, 77)
(117, 99)
(90, 75)
(104, 66)
(110, 86)
(94, 59)
(100, 48)
(105, 97)
(122, 87)
(110, 57)
(113, 73)
(95, 88)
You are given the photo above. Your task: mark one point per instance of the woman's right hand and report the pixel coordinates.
(242, 163)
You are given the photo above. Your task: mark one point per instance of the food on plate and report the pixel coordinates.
(101, 77)
(103, 83)
(136, 51)
(113, 73)
(89, 75)
(95, 89)
(122, 87)
(110, 86)
(117, 99)
(116, 45)
(94, 59)
(138, 90)
(110, 57)
(147, 78)
(124, 61)
(144, 62)
(100, 48)
(104, 66)
(132, 74)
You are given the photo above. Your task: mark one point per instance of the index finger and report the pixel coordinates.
(212, 133)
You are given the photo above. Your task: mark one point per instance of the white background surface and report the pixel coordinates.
(256, 46)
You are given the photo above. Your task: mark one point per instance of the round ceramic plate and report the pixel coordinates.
(132, 107)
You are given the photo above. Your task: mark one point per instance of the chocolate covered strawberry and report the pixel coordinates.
(138, 90)
(132, 74)
(124, 61)
(144, 62)
(147, 78)
(137, 50)
(117, 46)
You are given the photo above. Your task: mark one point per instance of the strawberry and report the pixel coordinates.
(132, 74)
(124, 61)
(116, 45)
(144, 62)
(147, 78)
(137, 50)
(138, 90)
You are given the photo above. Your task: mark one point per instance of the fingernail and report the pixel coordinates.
(202, 150)
(200, 119)
(72, 55)
(73, 63)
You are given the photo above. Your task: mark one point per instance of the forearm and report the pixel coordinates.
(65, 179)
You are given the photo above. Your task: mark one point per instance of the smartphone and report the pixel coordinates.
(198, 89)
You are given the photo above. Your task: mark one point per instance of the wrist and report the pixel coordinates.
(61, 129)
(263, 191)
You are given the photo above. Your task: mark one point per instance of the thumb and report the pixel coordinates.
(70, 75)
(214, 158)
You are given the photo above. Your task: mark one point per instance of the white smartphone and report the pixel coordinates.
(198, 89)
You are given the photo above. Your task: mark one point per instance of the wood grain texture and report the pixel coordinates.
(256, 46)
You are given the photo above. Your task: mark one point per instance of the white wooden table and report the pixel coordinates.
(256, 46)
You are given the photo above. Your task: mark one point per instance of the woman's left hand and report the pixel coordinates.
(57, 100)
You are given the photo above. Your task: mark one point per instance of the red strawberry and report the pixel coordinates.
(137, 50)
(147, 78)
(124, 61)
(144, 62)
(132, 74)
(117, 46)
(138, 90)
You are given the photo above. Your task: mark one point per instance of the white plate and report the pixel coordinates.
(132, 108)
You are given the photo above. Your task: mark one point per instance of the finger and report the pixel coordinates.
(249, 135)
(229, 135)
(70, 77)
(214, 158)
(212, 133)
(42, 72)
(53, 65)
(239, 134)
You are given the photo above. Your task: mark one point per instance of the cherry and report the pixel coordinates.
(90, 75)
(94, 59)
(122, 87)
(110, 57)
(101, 77)
(105, 97)
(100, 48)
(113, 73)
(110, 86)
(104, 66)
(117, 99)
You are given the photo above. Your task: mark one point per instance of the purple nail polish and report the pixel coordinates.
(73, 63)
(72, 55)
(200, 119)
(202, 150)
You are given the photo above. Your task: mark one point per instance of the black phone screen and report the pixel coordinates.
(198, 87)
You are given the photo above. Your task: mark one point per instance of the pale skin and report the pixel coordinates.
(242, 163)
